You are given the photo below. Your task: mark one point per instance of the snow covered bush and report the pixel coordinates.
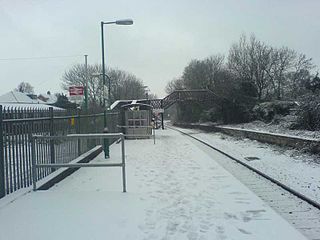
(227, 112)
(308, 113)
(189, 111)
(208, 115)
(268, 110)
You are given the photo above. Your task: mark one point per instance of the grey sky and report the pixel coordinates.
(165, 36)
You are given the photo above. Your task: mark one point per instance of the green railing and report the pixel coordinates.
(16, 127)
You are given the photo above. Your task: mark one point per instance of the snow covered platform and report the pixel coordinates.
(175, 191)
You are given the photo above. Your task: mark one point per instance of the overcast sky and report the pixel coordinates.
(165, 36)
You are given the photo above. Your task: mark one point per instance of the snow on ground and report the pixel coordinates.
(299, 171)
(279, 128)
(175, 191)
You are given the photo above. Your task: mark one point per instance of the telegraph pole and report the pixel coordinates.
(86, 83)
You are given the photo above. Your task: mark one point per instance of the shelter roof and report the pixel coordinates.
(119, 103)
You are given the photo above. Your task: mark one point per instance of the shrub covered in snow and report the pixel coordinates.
(189, 111)
(268, 110)
(308, 113)
(227, 112)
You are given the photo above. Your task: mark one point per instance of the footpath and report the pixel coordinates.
(174, 191)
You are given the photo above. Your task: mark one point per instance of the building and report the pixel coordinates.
(14, 99)
(48, 98)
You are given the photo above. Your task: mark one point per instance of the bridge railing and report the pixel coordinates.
(200, 95)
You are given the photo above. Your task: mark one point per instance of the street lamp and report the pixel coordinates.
(118, 22)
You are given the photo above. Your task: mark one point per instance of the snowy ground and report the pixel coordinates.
(299, 171)
(175, 191)
(279, 128)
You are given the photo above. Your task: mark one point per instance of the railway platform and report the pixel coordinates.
(175, 190)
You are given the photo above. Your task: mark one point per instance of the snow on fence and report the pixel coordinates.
(16, 127)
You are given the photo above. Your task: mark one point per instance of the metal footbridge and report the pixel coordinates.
(200, 95)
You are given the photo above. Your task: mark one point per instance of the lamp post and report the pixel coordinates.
(118, 22)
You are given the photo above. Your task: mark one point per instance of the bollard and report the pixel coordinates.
(106, 144)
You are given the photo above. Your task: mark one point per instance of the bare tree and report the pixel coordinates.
(260, 62)
(299, 76)
(175, 84)
(76, 76)
(238, 60)
(260, 70)
(249, 61)
(195, 75)
(284, 58)
(214, 65)
(200, 74)
(25, 87)
(123, 85)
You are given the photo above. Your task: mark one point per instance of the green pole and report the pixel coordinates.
(105, 141)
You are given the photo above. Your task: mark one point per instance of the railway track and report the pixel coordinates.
(299, 210)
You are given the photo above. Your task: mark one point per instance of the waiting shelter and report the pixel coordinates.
(136, 120)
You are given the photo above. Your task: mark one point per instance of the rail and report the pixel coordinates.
(260, 173)
(296, 142)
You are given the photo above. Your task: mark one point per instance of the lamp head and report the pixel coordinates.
(124, 22)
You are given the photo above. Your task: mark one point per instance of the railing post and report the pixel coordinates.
(78, 130)
(52, 153)
(34, 162)
(124, 186)
(161, 106)
(105, 141)
(2, 177)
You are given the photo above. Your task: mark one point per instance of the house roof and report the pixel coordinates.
(28, 106)
(50, 98)
(14, 99)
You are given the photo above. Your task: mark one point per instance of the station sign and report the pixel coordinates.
(76, 93)
(76, 90)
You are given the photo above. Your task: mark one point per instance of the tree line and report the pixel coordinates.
(123, 85)
(251, 73)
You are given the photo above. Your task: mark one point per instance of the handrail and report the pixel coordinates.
(36, 165)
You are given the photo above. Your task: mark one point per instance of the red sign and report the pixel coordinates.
(76, 91)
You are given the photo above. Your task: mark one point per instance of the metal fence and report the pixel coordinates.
(17, 126)
(36, 165)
